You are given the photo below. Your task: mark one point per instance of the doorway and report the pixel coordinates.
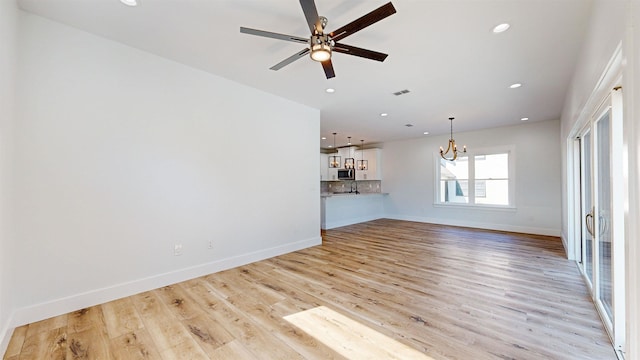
(600, 244)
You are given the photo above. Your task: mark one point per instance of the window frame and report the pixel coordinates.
(471, 154)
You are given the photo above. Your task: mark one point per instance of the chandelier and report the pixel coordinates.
(451, 147)
(362, 164)
(349, 163)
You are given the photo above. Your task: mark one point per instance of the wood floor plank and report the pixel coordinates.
(232, 350)
(50, 344)
(171, 338)
(209, 334)
(121, 317)
(350, 338)
(16, 342)
(88, 344)
(246, 330)
(136, 345)
(47, 325)
(445, 292)
(85, 319)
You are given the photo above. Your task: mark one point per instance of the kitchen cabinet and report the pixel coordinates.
(374, 170)
(373, 157)
(324, 167)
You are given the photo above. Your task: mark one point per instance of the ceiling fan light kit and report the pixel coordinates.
(320, 48)
(321, 45)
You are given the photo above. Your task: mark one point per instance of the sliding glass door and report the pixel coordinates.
(601, 260)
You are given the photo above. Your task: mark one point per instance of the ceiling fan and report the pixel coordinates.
(321, 45)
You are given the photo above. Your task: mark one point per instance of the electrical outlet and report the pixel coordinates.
(210, 244)
(177, 249)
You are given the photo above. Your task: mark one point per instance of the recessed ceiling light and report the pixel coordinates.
(524, 119)
(324, 138)
(426, 133)
(384, 114)
(130, 2)
(515, 86)
(501, 28)
(330, 90)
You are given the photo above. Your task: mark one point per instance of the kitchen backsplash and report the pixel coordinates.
(364, 186)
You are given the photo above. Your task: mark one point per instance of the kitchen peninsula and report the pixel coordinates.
(342, 204)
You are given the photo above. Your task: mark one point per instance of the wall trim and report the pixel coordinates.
(565, 244)
(33, 313)
(5, 335)
(477, 225)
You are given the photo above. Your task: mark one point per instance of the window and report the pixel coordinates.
(483, 179)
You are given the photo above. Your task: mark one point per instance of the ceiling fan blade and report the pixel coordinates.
(364, 21)
(273, 35)
(328, 69)
(311, 14)
(289, 60)
(356, 51)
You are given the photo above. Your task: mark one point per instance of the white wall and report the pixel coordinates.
(121, 154)
(408, 173)
(613, 23)
(632, 123)
(8, 20)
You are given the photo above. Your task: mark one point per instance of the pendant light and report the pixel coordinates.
(362, 163)
(451, 147)
(334, 160)
(349, 163)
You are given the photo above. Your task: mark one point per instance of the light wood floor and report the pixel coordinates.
(450, 293)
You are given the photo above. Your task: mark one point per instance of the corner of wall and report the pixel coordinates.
(5, 336)
(9, 14)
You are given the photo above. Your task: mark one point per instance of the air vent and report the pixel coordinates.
(401, 92)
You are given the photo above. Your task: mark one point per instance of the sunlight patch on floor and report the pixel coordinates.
(350, 338)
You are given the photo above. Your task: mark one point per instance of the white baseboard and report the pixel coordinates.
(5, 336)
(477, 225)
(565, 245)
(33, 313)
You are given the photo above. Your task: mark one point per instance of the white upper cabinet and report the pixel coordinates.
(327, 173)
(373, 157)
(324, 167)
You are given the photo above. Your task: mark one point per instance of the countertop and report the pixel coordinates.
(348, 194)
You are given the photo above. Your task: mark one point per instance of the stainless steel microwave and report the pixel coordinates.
(346, 174)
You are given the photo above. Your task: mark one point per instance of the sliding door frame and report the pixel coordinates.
(609, 90)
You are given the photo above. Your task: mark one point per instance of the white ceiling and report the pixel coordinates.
(443, 51)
